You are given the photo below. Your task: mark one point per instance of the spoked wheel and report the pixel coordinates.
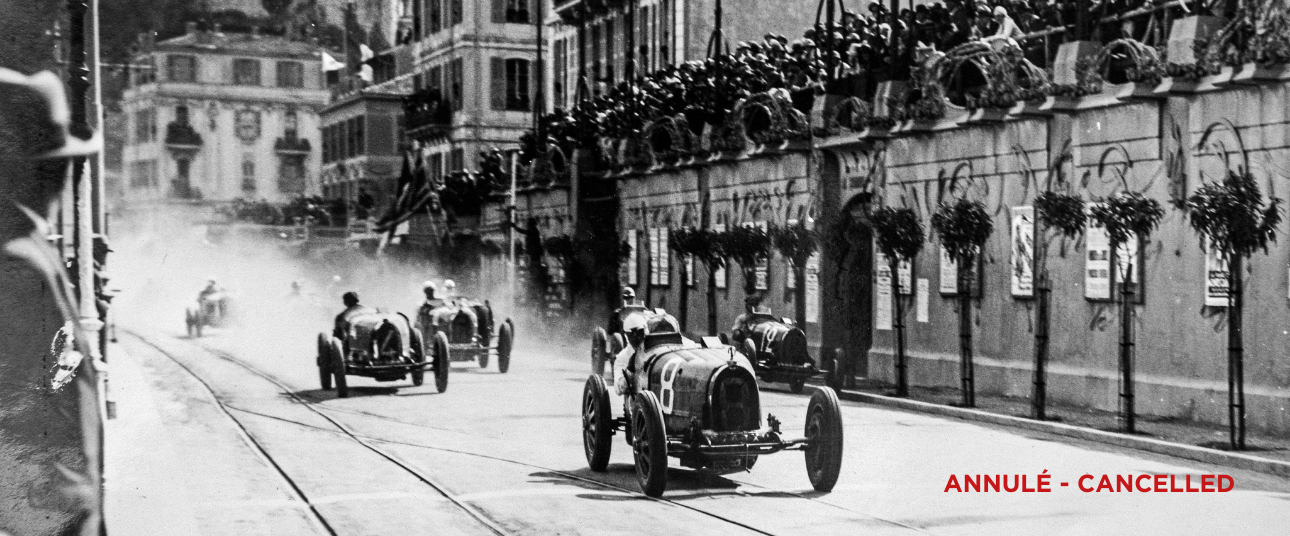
(323, 361)
(419, 354)
(824, 434)
(597, 432)
(338, 368)
(649, 446)
(505, 343)
(598, 342)
(441, 362)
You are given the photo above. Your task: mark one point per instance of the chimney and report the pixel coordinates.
(190, 28)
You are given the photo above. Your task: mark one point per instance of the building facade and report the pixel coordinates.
(222, 116)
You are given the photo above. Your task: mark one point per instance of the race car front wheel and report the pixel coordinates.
(598, 342)
(824, 437)
(441, 362)
(338, 368)
(597, 432)
(649, 446)
(418, 350)
(323, 362)
(505, 343)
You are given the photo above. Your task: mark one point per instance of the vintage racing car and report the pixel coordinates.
(605, 345)
(211, 310)
(470, 331)
(777, 349)
(382, 346)
(699, 403)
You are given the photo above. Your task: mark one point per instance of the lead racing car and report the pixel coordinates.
(383, 346)
(470, 332)
(699, 403)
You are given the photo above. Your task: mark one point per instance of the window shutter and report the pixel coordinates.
(533, 84)
(498, 87)
(499, 11)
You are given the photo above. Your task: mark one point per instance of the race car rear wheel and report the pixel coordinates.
(824, 433)
(649, 446)
(598, 342)
(323, 361)
(441, 362)
(338, 368)
(597, 431)
(505, 343)
(419, 356)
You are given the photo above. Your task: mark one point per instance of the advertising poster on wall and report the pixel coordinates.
(664, 256)
(949, 274)
(761, 273)
(689, 271)
(882, 293)
(922, 313)
(651, 235)
(1215, 279)
(813, 288)
(1023, 252)
(1097, 263)
(905, 269)
(720, 274)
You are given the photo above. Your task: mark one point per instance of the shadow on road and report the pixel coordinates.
(320, 395)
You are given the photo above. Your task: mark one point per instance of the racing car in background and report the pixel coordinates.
(211, 310)
(470, 331)
(778, 351)
(383, 346)
(699, 402)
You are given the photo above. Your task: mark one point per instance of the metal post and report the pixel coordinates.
(1126, 354)
(1039, 398)
(902, 378)
(1235, 354)
(966, 372)
(510, 232)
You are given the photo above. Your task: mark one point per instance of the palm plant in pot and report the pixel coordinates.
(964, 226)
(899, 236)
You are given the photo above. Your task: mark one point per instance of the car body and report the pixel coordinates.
(383, 346)
(211, 310)
(777, 349)
(699, 402)
(470, 331)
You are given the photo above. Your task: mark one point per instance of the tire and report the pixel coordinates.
(505, 343)
(188, 321)
(649, 446)
(796, 385)
(833, 376)
(597, 431)
(824, 431)
(338, 368)
(483, 358)
(419, 350)
(323, 361)
(599, 340)
(441, 362)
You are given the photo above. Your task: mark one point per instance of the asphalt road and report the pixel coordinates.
(502, 453)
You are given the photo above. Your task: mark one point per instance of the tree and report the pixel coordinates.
(1063, 213)
(1235, 221)
(796, 243)
(899, 236)
(964, 226)
(1124, 216)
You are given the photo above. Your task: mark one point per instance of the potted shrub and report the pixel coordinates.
(1064, 214)
(964, 226)
(1124, 216)
(1235, 221)
(899, 236)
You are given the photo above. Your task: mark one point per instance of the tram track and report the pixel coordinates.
(371, 443)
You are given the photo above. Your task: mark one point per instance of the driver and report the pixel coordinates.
(636, 327)
(449, 290)
(425, 313)
(616, 319)
(743, 323)
(352, 309)
(212, 288)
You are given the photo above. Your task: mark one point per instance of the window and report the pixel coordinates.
(455, 7)
(360, 141)
(248, 173)
(510, 84)
(290, 125)
(595, 53)
(181, 68)
(181, 115)
(435, 14)
(511, 11)
(291, 178)
(436, 78)
(457, 159)
(557, 81)
(246, 72)
(145, 126)
(436, 167)
(611, 58)
(456, 78)
(291, 74)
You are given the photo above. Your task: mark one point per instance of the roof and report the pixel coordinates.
(242, 44)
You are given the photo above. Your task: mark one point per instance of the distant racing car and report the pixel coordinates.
(699, 403)
(383, 346)
(210, 310)
(470, 331)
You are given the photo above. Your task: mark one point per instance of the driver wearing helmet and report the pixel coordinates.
(636, 328)
(425, 314)
(743, 323)
(616, 319)
(352, 309)
(212, 288)
(449, 290)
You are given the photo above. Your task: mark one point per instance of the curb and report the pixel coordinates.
(1189, 452)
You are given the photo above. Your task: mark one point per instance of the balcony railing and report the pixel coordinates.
(182, 135)
(427, 114)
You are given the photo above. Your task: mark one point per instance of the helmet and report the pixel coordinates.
(429, 285)
(210, 280)
(629, 293)
(350, 299)
(449, 284)
(636, 326)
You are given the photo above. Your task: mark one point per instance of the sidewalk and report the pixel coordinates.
(1184, 439)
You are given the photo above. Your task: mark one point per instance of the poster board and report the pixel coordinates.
(1215, 279)
(949, 273)
(921, 305)
(1023, 252)
(882, 293)
(630, 271)
(813, 288)
(1097, 263)
(905, 269)
(721, 275)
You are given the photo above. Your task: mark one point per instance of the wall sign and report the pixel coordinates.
(660, 257)
(949, 274)
(904, 269)
(1215, 279)
(882, 294)
(813, 288)
(1097, 263)
(631, 266)
(720, 274)
(1023, 252)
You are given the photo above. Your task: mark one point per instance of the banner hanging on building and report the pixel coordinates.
(1023, 252)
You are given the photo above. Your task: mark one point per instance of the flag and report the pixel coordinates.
(331, 64)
